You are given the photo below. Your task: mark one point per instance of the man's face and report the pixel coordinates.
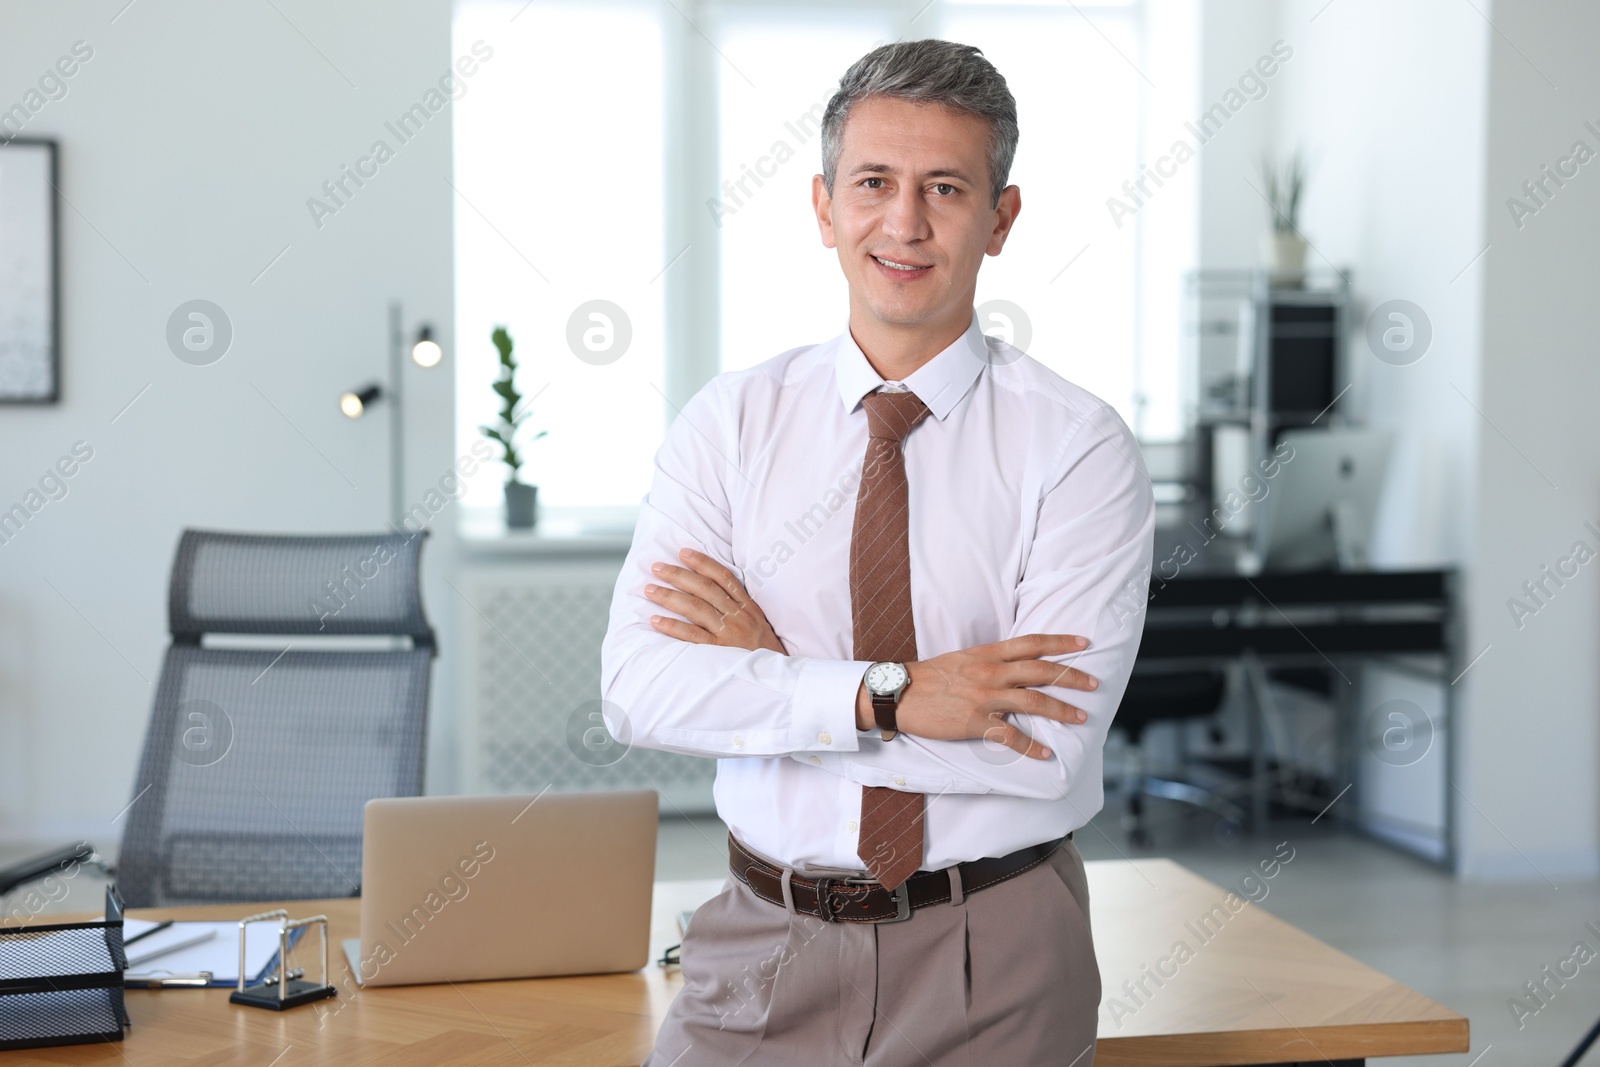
(910, 211)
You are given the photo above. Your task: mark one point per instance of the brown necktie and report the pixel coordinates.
(880, 600)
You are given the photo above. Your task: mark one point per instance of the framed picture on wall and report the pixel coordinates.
(30, 318)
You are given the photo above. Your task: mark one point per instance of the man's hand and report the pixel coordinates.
(964, 694)
(719, 610)
(968, 693)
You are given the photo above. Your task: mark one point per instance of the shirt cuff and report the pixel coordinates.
(824, 706)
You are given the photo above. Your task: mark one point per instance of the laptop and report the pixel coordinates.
(467, 888)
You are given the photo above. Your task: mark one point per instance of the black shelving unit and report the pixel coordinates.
(1264, 357)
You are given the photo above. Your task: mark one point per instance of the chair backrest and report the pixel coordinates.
(1168, 697)
(257, 762)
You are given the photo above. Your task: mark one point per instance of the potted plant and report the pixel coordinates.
(522, 501)
(1284, 248)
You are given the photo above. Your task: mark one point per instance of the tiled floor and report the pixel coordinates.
(1471, 947)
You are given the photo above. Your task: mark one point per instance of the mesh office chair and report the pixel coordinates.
(257, 762)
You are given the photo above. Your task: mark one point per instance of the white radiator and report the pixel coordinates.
(530, 707)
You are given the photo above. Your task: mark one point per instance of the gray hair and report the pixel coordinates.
(930, 72)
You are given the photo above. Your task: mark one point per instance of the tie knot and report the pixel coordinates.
(892, 415)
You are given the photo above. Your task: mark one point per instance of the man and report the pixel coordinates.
(886, 580)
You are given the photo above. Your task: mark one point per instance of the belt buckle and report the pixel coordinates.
(902, 899)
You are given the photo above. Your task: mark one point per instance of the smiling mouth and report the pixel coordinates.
(902, 268)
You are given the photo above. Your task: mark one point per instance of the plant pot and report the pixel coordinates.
(522, 505)
(1285, 255)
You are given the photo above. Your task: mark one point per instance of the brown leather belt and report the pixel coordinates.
(863, 900)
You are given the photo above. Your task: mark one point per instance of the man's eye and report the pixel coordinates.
(868, 182)
(944, 188)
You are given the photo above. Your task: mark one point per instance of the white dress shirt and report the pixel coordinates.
(1030, 512)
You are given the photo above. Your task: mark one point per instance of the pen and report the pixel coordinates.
(156, 929)
(156, 980)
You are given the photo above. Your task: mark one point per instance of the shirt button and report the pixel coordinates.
(738, 742)
(851, 826)
(899, 781)
(825, 737)
(817, 760)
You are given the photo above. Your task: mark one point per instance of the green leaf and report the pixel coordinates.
(502, 342)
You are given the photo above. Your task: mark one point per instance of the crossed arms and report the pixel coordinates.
(1023, 716)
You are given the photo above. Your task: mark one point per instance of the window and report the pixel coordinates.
(618, 151)
(780, 287)
(558, 172)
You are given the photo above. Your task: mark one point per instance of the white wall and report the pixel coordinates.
(1234, 35)
(190, 143)
(1533, 742)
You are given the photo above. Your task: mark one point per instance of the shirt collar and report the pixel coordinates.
(939, 383)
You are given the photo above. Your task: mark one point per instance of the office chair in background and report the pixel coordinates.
(1175, 697)
(258, 760)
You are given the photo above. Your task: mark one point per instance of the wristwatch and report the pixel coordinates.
(885, 682)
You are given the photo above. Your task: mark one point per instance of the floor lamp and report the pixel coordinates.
(425, 352)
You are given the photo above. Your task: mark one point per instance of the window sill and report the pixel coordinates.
(559, 531)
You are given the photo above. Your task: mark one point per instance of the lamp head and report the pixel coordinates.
(354, 404)
(426, 352)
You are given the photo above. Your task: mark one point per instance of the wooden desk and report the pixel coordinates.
(1258, 991)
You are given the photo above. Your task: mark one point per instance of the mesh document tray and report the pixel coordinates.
(61, 983)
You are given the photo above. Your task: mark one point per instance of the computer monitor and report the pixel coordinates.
(1320, 508)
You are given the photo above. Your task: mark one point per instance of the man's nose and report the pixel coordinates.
(905, 218)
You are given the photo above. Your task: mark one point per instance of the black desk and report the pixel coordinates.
(1198, 615)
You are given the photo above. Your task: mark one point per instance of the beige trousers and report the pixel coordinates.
(1006, 976)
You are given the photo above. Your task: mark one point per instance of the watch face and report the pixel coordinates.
(885, 678)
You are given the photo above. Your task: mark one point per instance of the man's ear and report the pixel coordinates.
(822, 204)
(1006, 212)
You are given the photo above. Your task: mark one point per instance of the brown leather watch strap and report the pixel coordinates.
(883, 714)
